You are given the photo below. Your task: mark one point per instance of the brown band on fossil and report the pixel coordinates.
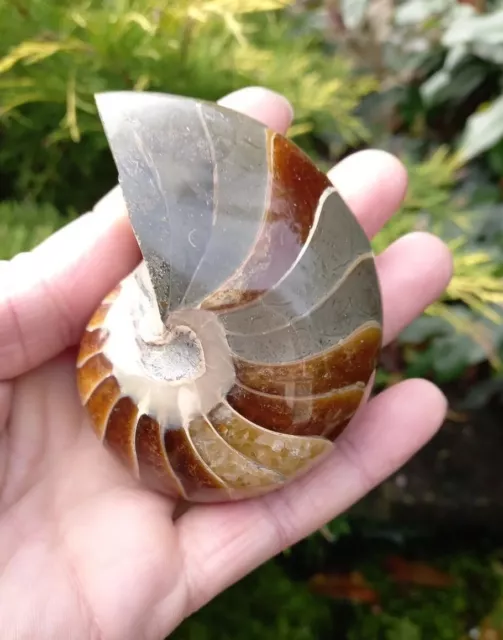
(98, 317)
(235, 469)
(92, 343)
(92, 373)
(351, 361)
(101, 403)
(305, 416)
(153, 464)
(112, 295)
(120, 431)
(288, 218)
(285, 453)
(196, 478)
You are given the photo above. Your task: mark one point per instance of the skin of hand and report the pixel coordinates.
(85, 552)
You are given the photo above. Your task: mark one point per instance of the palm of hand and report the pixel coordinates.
(85, 552)
(82, 547)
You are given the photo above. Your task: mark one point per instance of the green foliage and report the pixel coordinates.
(270, 604)
(470, 331)
(444, 349)
(414, 612)
(23, 225)
(429, 197)
(442, 59)
(469, 39)
(435, 594)
(56, 56)
(457, 52)
(266, 605)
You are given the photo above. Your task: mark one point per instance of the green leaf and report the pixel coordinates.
(404, 629)
(23, 225)
(453, 354)
(455, 56)
(421, 364)
(481, 394)
(424, 328)
(483, 130)
(488, 51)
(419, 11)
(435, 85)
(486, 28)
(495, 160)
(444, 85)
(353, 12)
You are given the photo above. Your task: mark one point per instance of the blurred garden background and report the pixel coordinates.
(422, 557)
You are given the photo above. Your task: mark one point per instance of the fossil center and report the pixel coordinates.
(177, 369)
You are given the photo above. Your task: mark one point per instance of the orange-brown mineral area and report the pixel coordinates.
(295, 388)
(295, 187)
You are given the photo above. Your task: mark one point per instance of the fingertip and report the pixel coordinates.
(373, 183)
(416, 408)
(430, 253)
(414, 272)
(394, 425)
(437, 398)
(266, 106)
(372, 161)
(418, 392)
(112, 203)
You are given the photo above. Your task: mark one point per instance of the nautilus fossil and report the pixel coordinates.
(233, 357)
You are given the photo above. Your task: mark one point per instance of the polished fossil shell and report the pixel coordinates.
(236, 353)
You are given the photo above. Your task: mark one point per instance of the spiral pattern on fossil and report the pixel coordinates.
(238, 351)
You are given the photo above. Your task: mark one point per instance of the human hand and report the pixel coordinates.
(87, 553)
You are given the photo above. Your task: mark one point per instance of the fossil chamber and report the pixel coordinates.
(237, 352)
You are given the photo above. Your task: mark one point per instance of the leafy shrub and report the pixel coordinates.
(266, 605)
(445, 56)
(23, 225)
(464, 328)
(56, 56)
(471, 47)
(384, 596)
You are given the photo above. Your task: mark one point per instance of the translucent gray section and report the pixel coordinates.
(194, 178)
(355, 302)
(241, 180)
(166, 175)
(337, 241)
